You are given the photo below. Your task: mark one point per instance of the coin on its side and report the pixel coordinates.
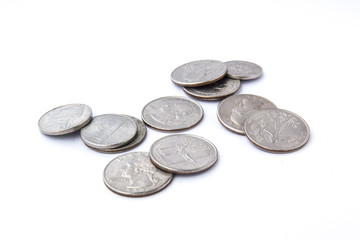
(216, 90)
(140, 136)
(233, 111)
(277, 130)
(109, 131)
(133, 175)
(198, 73)
(243, 70)
(65, 119)
(183, 154)
(172, 113)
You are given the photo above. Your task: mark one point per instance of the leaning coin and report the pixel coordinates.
(140, 136)
(172, 113)
(133, 175)
(198, 73)
(243, 70)
(109, 131)
(216, 90)
(233, 111)
(277, 130)
(65, 119)
(183, 154)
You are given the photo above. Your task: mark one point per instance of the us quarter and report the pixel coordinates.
(140, 136)
(216, 90)
(133, 175)
(198, 73)
(183, 154)
(109, 131)
(243, 70)
(277, 130)
(65, 119)
(172, 113)
(233, 111)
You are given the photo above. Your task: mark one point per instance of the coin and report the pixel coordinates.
(216, 90)
(198, 73)
(277, 130)
(132, 174)
(183, 154)
(109, 131)
(65, 119)
(172, 113)
(233, 111)
(243, 70)
(140, 136)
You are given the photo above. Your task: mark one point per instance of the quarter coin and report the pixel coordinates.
(65, 119)
(216, 90)
(243, 70)
(172, 113)
(234, 110)
(277, 130)
(132, 174)
(183, 154)
(198, 73)
(109, 131)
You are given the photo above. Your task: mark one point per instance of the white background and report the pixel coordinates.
(116, 56)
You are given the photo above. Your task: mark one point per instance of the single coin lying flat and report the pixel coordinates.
(243, 70)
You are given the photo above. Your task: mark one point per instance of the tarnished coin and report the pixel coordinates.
(277, 130)
(198, 73)
(233, 111)
(140, 136)
(133, 175)
(65, 119)
(216, 90)
(172, 113)
(183, 154)
(243, 70)
(109, 131)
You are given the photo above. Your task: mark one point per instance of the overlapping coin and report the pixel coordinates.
(243, 70)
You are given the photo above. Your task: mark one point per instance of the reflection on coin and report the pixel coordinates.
(216, 90)
(172, 113)
(109, 131)
(233, 111)
(132, 174)
(277, 130)
(140, 136)
(198, 73)
(183, 154)
(243, 70)
(65, 119)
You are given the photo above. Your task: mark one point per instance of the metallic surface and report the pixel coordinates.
(243, 70)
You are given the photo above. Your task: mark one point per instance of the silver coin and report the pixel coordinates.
(277, 130)
(65, 119)
(140, 136)
(183, 154)
(198, 73)
(216, 90)
(172, 113)
(243, 70)
(132, 174)
(109, 131)
(233, 111)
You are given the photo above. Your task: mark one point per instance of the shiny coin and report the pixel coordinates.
(132, 174)
(109, 131)
(277, 130)
(233, 111)
(216, 90)
(183, 154)
(140, 136)
(243, 70)
(198, 73)
(172, 113)
(65, 119)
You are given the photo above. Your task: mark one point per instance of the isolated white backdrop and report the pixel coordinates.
(116, 56)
